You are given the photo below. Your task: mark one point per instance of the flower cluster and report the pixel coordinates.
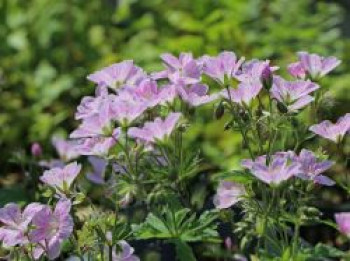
(312, 65)
(133, 131)
(38, 227)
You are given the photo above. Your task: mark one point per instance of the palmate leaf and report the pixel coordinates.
(183, 251)
(322, 251)
(179, 224)
(179, 227)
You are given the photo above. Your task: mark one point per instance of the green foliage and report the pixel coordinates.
(48, 47)
(237, 176)
(179, 224)
(179, 227)
(183, 251)
(321, 251)
(317, 253)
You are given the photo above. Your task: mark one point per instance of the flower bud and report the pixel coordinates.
(228, 243)
(219, 111)
(36, 150)
(282, 107)
(266, 77)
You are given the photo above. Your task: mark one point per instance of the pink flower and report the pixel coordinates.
(126, 254)
(279, 169)
(36, 150)
(196, 94)
(118, 75)
(253, 76)
(148, 92)
(343, 221)
(244, 94)
(100, 124)
(157, 130)
(311, 168)
(90, 106)
(61, 178)
(228, 194)
(127, 108)
(53, 163)
(226, 64)
(183, 70)
(98, 146)
(256, 71)
(99, 167)
(333, 131)
(313, 65)
(51, 228)
(294, 95)
(15, 224)
(297, 70)
(66, 149)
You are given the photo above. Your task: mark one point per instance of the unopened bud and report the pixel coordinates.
(36, 150)
(219, 111)
(228, 243)
(282, 107)
(266, 77)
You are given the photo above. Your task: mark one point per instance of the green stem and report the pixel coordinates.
(295, 238)
(243, 133)
(256, 130)
(110, 253)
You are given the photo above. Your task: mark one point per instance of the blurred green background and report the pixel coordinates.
(47, 48)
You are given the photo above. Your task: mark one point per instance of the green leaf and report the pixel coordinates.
(238, 176)
(179, 224)
(183, 251)
(322, 251)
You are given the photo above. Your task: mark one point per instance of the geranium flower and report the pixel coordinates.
(343, 221)
(295, 94)
(90, 106)
(228, 194)
(244, 93)
(126, 107)
(157, 130)
(98, 146)
(61, 178)
(333, 131)
(66, 149)
(311, 168)
(183, 70)
(118, 75)
(279, 169)
(297, 70)
(226, 64)
(100, 124)
(51, 228)
(98, 170)
(126, 253)
(255, 71)
(313, 65)
(15, 224)
(148, 92)
(196, 94)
